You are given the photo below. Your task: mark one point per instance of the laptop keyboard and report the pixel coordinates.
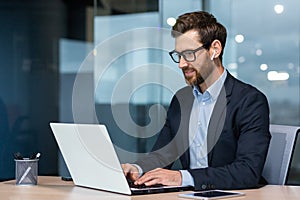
(152, 189)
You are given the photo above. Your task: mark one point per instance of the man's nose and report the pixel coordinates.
(182, 63)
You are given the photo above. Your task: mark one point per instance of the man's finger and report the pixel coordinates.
(130, 171)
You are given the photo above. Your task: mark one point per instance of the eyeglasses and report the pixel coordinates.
(188, 55)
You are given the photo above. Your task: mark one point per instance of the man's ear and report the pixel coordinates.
(215, 49)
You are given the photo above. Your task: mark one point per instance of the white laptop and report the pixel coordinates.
(92, 161)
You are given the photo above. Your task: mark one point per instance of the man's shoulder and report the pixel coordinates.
(243, 90)
(242, 86)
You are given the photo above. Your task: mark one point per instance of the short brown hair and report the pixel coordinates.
(209, 29)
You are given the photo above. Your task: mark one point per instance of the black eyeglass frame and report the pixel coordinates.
(183, 54)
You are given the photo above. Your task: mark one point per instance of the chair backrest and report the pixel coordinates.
(279, 155)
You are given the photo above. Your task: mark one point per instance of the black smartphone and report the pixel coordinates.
(211, 194)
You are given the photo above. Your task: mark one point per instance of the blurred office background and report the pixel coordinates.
(53, 67)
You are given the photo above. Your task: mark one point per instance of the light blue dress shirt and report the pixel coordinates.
(199, 119)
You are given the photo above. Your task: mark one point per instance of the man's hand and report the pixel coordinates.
(160, 176)
(130, 171)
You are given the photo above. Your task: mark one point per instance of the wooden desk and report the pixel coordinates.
(52, 188)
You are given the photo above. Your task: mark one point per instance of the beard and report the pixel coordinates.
(200, 80)
(195, 80)
(201, 73)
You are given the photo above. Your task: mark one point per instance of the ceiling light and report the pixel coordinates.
(95, 52)
(171, 21)
(241, 59)
(258, 52)
(239, 38)
(278, 8)
(291, 65)
(232, 66)
(263, 67)
(278, 76)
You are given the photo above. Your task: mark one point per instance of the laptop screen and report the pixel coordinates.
(293, 176)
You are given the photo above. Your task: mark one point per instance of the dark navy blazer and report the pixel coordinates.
(237, 141)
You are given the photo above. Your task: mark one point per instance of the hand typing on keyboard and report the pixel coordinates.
(153, 177)
(132, 185)
(160, 176)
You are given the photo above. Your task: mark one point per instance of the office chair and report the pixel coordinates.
(280, 153)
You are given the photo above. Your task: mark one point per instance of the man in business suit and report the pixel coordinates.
(217, 126)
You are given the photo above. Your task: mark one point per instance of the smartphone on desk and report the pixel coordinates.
(211, 194)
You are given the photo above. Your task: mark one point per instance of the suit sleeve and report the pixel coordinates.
(164, 151)
(172, 140)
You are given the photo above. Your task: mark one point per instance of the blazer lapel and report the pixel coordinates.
(217, 120)
(185, 99)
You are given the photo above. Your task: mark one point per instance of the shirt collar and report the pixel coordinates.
(212, 92)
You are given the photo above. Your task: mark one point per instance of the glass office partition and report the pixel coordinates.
(263, 50)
